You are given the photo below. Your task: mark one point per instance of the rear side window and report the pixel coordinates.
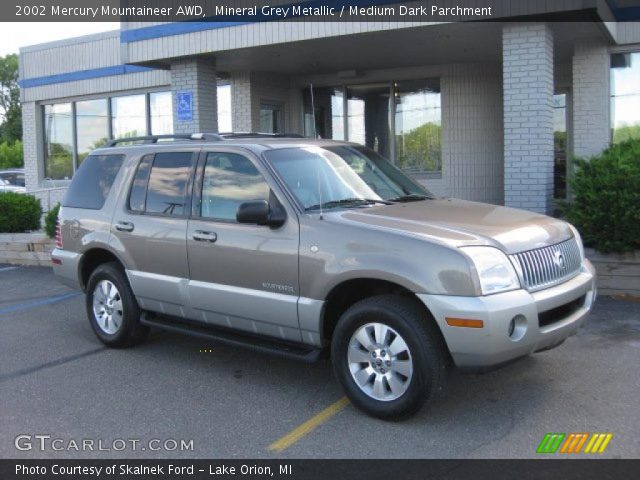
(160, 184)
(92, 181)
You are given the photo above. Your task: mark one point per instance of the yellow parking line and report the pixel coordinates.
(307, 427)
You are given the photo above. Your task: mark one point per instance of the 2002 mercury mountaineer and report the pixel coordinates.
(290, 245)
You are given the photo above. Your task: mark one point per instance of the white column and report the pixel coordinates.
(527, 70)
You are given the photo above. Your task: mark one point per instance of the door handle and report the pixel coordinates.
(202, 236)
(124, 226)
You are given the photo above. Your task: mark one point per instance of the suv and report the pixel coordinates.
(293, 246)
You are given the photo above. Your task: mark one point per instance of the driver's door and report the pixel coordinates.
(241, 276)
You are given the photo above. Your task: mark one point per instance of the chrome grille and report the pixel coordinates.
(547, 266)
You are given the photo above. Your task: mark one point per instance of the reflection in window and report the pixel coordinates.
(368, 116)
(58, 132)
(92, 127)
(560, 146)
(129, 116)
(138, 194)
(161, 110)
(93, 182)
(418, 126)
(625, 96)
(168, 180)
(327, 121)
(229, 180)
(270, 118)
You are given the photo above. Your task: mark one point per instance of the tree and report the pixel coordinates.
(10, 109)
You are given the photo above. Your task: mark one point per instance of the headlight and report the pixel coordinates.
(494, 269)
(576, 234)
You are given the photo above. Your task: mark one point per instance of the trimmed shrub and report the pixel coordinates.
(606, 207)
(19, 212)
(50, 221)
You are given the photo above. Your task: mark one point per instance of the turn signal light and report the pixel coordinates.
(464, 322)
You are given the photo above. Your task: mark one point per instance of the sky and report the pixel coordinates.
(21, 34)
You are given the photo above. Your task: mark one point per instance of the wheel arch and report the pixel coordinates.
(91, 259)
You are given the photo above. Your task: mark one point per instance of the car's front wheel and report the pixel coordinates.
(112, 308)
(389, 356)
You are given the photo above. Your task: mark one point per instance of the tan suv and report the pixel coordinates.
(292, 246)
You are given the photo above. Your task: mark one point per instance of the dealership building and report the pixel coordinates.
(485, 111)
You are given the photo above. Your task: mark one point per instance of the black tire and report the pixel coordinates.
(429, 354)
(130, 331)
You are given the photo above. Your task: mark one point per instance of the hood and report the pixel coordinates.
(460, 223)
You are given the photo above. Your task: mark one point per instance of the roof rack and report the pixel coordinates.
(259, 135)
(149, 139)
(202, 137)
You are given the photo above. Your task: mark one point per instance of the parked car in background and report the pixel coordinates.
(12, 180)
(292, 245)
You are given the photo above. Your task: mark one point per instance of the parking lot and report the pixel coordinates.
(56, 379)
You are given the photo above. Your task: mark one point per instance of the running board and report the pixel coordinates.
(279, 348)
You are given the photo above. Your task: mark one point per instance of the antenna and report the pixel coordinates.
(313, 113)
(319, 190)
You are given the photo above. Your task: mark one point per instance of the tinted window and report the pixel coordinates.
(167, 190)
(139, 188)
(92, 181)
(229, 180)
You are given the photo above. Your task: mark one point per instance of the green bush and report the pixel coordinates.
(11, 155)
(50, 221)
(19, 212)
(606, 207)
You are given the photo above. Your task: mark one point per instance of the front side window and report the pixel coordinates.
(625, 96)
(160, 184)
(92, 182)
(229, 180)
(334, 177)
(58, 133)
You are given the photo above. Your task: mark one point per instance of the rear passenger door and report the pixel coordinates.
(241, 276)
(149, 229)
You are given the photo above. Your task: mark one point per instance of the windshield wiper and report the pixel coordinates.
(413, 197)
(347, 202)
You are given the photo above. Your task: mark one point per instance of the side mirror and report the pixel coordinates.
(259, 212)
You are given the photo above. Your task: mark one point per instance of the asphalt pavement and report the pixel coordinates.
(178, 397)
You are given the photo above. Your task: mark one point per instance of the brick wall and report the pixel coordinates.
(527, 70)
(198, 77)
(591, 108)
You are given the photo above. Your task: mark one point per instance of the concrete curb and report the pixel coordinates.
(26, 249)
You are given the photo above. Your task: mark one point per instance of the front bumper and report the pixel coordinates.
(548, 317)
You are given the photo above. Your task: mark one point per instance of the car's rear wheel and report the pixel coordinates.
(389, 356)
(112, 309)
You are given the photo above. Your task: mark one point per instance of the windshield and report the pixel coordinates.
(342, 177)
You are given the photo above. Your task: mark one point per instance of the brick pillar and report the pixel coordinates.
(197, 77)
(242, 118)
(527, 71)
(591, 109)
(33, 145)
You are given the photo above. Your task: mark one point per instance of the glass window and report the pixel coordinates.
(270, 118)
(138, 193)
(368, 116)
(58, 133)
(167, 190)
(625, 96)
(327, 120)
(224, 108)
(92, 181)
(560, 146)
(161, 109)
(129, 116)
(92, 127)
(229, 180)
(418, 126)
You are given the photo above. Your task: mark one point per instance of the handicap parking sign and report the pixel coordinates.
(185, 105)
